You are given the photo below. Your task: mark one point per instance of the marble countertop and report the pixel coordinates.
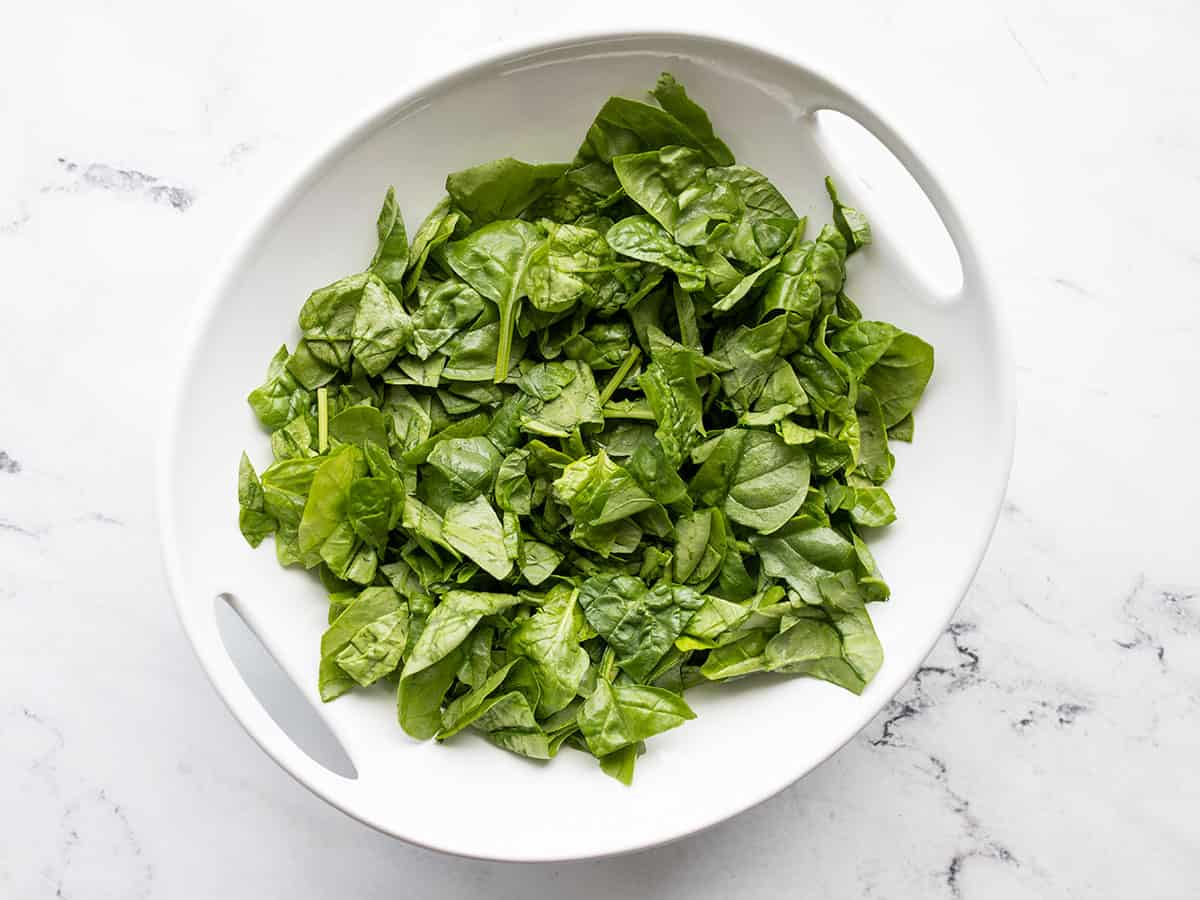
(1047, 748)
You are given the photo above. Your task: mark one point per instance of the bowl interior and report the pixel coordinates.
(751, 738)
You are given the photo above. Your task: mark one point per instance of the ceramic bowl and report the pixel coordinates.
(752, 738)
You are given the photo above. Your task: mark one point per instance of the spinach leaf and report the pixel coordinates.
(390, 261)
(577, 403)
(253, 519)
(640, 237)
(599, 491)
(801, 553)
(375, 649)
(372, 604)
(812, 647)
(281, 398)
(327, 320)
(549, 639)
(493, 260)
(446, 307)
(749, 355)
(470, 465)
(576, 265)
(381, 327)
(674, 395)
(674, 99)
(463, 711)
(626, 126)
(640, 624)
(511, 724)
(501, 189)
(438, 227)
(850, 222)
(325, 507)
(700, 546)
(619, 715)
(899, 377)
(473, 529)
(419, 696)
(369, 510)
(450, 623)
(743, 656)
(359, 424)
(757, 478)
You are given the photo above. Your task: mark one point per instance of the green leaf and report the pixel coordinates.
(850, 222)
(293, 440)
(599, 491)
(757, 478)
(576, 404)
(473, 529)
(640, 624)
(419, 696)
(325, 507)
(549, 639)
(626, 126)
(640, 237)
(253, 519)
(391, 256)
(493, 261)
(501, 189)
(375, 649)
(438, 227)
(743, 656)
(327, 319)
(469, 464)
(700, 546)
(446, 308)
(538, 561)
(861, 344)
(514, 492)
(510, 724)
(674, 395)
(372, 604)
(900, 376)
(620, 715)
(619, 764)
(576, 265)
(369, 510)
(902, 430)
(281, 398)
(801, 553)
(749, 355)
(450, 623)
(674, 99)
(359, 424)
(381, 327)
(463, 711)
(649, 466)
(812, 647)
(715, 619)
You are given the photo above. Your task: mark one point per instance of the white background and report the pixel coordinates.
(1050, 747)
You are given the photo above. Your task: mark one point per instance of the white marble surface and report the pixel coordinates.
(1048, 748)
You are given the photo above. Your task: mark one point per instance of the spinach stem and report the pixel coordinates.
(620, 375)
(322, 419)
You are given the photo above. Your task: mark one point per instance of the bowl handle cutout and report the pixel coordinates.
(267, 702)
(926, 233)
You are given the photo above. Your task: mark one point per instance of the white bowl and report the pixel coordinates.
(751, 739)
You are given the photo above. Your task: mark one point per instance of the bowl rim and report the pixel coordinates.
(342, 137)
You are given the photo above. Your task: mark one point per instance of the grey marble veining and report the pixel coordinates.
(1047, 746)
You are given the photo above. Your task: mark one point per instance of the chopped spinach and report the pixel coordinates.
(600, 431)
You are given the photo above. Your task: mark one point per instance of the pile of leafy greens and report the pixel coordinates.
(598, 432)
